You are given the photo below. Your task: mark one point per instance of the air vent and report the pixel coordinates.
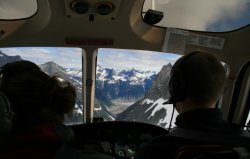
(104, 8)
(80, 6)
(92, 10)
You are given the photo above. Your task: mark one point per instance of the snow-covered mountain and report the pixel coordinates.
(133, 76)
(145, 89)
(151, 109)
(127, 85)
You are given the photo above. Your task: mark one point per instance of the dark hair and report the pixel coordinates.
(31, 91)
(204, 77)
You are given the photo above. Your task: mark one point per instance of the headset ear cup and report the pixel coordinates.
(176, 86)
(5, 115)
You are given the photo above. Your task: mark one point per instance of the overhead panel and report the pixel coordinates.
(92, 9)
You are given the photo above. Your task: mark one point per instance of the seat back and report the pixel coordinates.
(212, 152)
(210, 145)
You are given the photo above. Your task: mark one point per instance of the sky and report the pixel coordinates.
(66, 57)
(107, 58)
(203, 15)
(138, 59)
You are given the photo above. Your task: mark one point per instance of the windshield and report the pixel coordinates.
(132, 85)
(55, 61)
(202, 15)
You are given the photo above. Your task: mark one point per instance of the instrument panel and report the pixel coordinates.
(120, 139)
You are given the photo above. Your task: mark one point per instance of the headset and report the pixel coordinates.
(176, 83)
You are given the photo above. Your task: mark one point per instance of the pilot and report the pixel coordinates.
(197, 83)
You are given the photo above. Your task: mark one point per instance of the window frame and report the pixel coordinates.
(240, 104)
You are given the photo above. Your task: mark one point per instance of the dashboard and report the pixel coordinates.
(120, 139)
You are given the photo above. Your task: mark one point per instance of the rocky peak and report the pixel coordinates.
(4, 59)
(160, 85)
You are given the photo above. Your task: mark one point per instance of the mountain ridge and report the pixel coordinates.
(151, 108)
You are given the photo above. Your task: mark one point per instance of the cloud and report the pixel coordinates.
(200, 14)
(138, 59)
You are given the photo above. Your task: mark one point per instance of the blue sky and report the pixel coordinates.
(107, 58)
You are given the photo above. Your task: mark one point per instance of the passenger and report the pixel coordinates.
(39, 103)
(197, 82)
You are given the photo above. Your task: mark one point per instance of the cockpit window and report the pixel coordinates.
(201, 15)
(17, 9)
(131, 85)
(55, 61)
(248, 119)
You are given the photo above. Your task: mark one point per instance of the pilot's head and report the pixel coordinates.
(197, 80)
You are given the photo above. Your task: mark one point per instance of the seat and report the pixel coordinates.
(211, 152)
(211, 146)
